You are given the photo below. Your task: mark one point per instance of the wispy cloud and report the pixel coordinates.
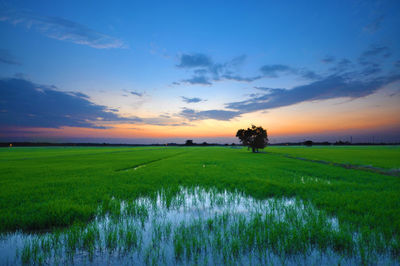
(328, 88)
(26, 104)
(371, 69)
(198, 80)
(266, 88)
(374, 25)
(194, 61)
(374, 51)
(62, 29)
(240, 78)
(7, 58)
(206, 71)
(191, 100)
(341, 66)
(273, 71)
(346, 80)
(328, 59)
(277, 70)
(139, 94)
(191, 114)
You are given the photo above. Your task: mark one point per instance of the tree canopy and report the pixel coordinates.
(254, 137)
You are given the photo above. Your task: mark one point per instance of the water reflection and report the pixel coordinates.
(196, 226)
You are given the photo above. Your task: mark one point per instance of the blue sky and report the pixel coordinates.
(182, 69)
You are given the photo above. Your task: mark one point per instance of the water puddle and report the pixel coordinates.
(196, 226)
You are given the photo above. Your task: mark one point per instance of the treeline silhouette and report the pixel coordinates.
(190, 143)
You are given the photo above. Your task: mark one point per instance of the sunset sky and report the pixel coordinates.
(166, 71)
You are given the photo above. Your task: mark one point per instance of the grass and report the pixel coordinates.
(387, 157)
(49, 188)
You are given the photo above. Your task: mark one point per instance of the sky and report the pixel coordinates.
(166, 71)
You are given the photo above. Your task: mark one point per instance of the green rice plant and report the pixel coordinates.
(45, 244)
(73, 237)
(131, 240)
(111, 239)
(178, 247)
(26, 253)
(89, 238)
(298, 218)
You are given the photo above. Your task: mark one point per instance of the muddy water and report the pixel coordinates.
(193, 226)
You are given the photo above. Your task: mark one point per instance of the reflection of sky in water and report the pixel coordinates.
(188, 207)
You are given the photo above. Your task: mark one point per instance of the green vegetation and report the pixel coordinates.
(50, 188)
(377, 156)
(208, 226)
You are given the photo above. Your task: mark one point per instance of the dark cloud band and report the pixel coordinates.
(26, 104)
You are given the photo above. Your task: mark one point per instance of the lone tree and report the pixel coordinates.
(254, 137)
(308, 143)
(189, 142)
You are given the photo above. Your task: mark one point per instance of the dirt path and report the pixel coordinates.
(134, 167)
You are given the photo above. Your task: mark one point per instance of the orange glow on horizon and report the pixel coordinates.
(330, 116)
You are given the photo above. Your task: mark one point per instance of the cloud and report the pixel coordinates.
(194, 60)
(375, 25)
(206, 71)
(21, 75)
(373, 51)
(224, 115)
(341, 66)
(164, 120)
(273, 71)
(372, 58)
(334, 86)
(266, 88)
(25, 104)
(180, 124)
(240, 78)
(238, 60)
(198, 80)
(191, 100)
(369, 62)
(139, 94)
(79, 94)
(308, 74)
(328, 59)
(276, 70)
(346, 80)
(371, 69)
(62, 29)
(7, 58)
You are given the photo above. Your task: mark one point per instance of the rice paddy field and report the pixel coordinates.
(200, 206)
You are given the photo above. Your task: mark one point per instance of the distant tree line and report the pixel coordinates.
(310, 143)
(69, 144)
(190, 142)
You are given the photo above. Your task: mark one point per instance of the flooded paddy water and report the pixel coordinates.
(199, 226)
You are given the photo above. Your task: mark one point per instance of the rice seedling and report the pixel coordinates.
(257, 221)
